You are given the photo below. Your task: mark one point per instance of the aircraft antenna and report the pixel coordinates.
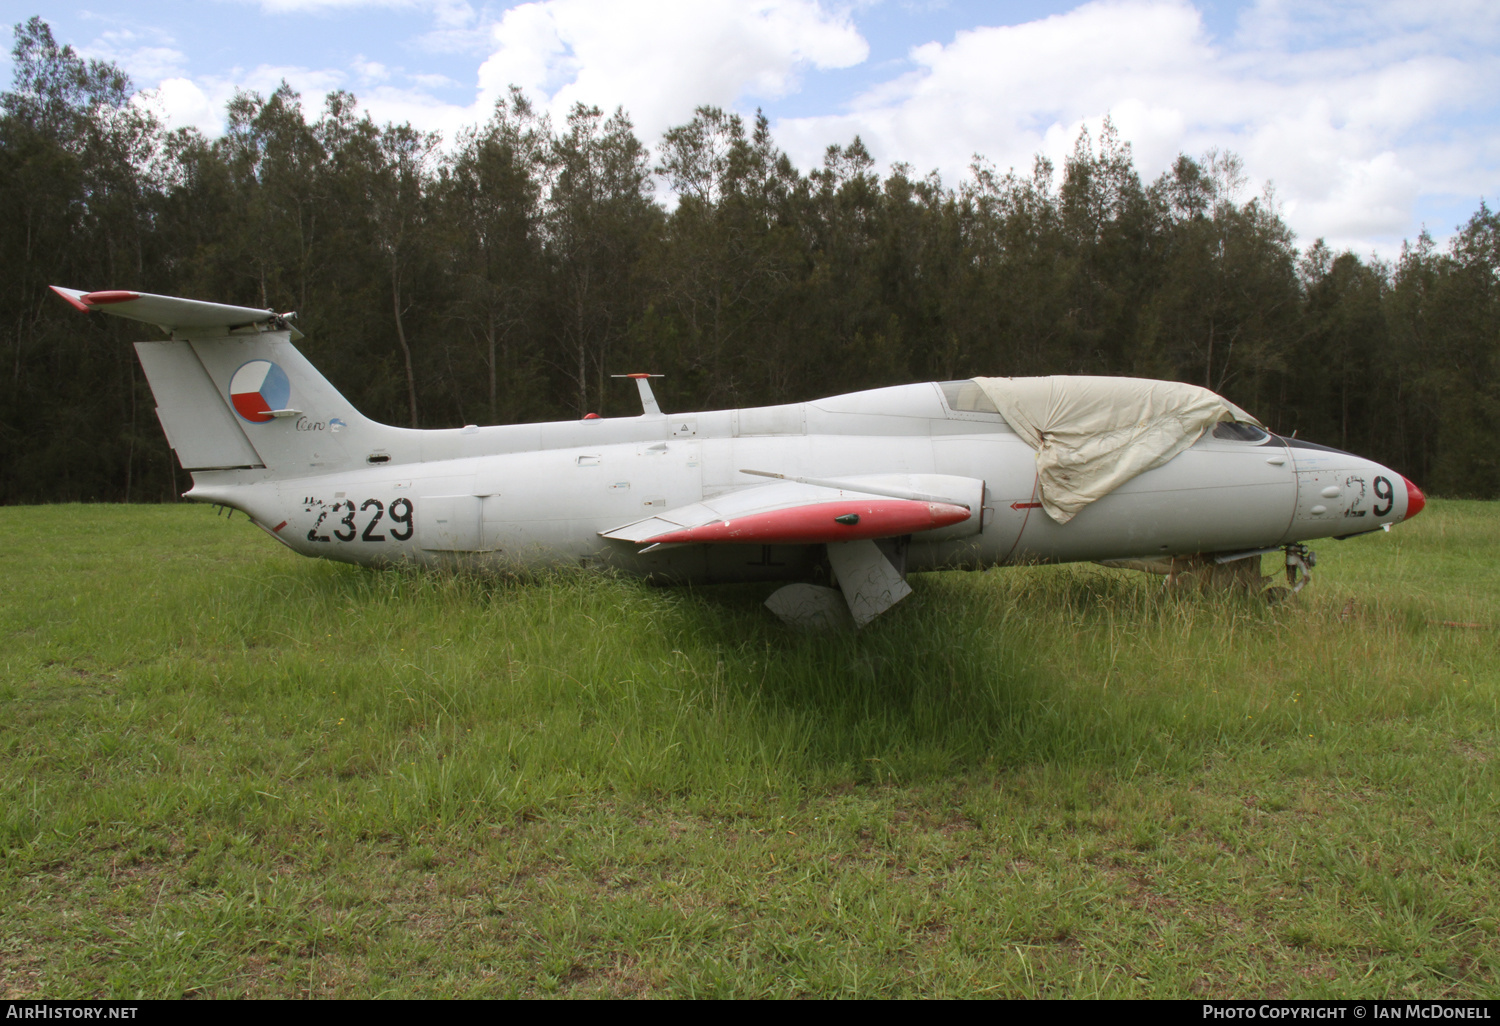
(649, 407)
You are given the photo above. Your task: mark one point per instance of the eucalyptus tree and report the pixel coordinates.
(723, 267)
(596, 216)
(271, 251)
(511, 275)
(1337, 394)
(1224, 310)
(1009, 303)
(1449, 315)
(491, 193)
(397, 189)
(79, 172)
(1108, 235)
(847, 329)
(917, 253)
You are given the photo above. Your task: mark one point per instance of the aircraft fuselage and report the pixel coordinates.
(543, 493)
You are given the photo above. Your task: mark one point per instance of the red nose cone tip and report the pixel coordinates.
(1415, 500)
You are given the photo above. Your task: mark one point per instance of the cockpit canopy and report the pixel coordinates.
(967, 397)
(1094, 433)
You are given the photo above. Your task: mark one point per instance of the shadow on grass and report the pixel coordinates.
(972, 670)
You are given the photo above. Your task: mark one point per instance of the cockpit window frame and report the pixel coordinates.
(965, 400)
(1238, 431)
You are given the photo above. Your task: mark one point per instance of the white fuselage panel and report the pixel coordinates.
(545, 498)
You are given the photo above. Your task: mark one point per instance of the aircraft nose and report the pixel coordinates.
(1415, 500)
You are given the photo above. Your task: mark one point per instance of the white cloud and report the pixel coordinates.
(146, 56)
(456, 23)
(446, 13)
(432, 81)
(1379, 26)
(371, 71)
(1340, 121)
(265, 79)
(313, 6)
(658, 59)
(423, 111)
(1358, 110)
(200, 103)
(1010, 92)
(180, 103)
(661, 60)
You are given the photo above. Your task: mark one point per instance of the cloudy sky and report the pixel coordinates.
(1370, 119)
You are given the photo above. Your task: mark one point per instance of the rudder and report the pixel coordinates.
(199, 426)
(232, 391)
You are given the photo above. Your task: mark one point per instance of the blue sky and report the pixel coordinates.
(1368, 119)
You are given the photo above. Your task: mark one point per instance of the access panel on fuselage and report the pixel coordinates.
(1007, 466)
(1340, 494)
(449, 523)
(546, 506)
(1218, 496)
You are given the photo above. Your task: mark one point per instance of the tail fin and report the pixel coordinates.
(232, 392)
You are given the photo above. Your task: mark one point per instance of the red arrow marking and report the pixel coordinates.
(1026, 505)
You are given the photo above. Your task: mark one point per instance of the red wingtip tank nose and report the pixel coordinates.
(1415, 500)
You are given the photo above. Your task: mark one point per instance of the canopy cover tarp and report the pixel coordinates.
(1092, 434)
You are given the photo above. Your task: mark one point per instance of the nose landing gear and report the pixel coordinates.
(1299, 563)
(1299, 557)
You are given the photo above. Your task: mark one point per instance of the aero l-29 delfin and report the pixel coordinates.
(855, 490)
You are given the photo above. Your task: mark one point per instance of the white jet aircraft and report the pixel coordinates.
(856, 490)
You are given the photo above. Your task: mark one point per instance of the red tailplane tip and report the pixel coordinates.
(75, 303)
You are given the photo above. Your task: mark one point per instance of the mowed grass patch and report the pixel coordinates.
(228, 770)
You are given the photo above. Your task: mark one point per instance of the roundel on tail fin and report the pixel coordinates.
(257, 388)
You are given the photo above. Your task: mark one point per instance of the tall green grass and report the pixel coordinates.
(227, 770)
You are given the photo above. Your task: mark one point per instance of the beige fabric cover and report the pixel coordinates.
(1093, 434)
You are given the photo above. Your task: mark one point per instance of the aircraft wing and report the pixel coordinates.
(800, 513)
(167, 312)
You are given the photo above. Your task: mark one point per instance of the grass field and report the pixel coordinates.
(226, 770)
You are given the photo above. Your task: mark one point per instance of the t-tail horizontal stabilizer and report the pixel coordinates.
(232, 391)
(173, 314)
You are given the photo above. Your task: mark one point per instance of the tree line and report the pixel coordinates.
(506, 276)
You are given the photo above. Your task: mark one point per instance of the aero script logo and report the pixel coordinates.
(257, 388)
